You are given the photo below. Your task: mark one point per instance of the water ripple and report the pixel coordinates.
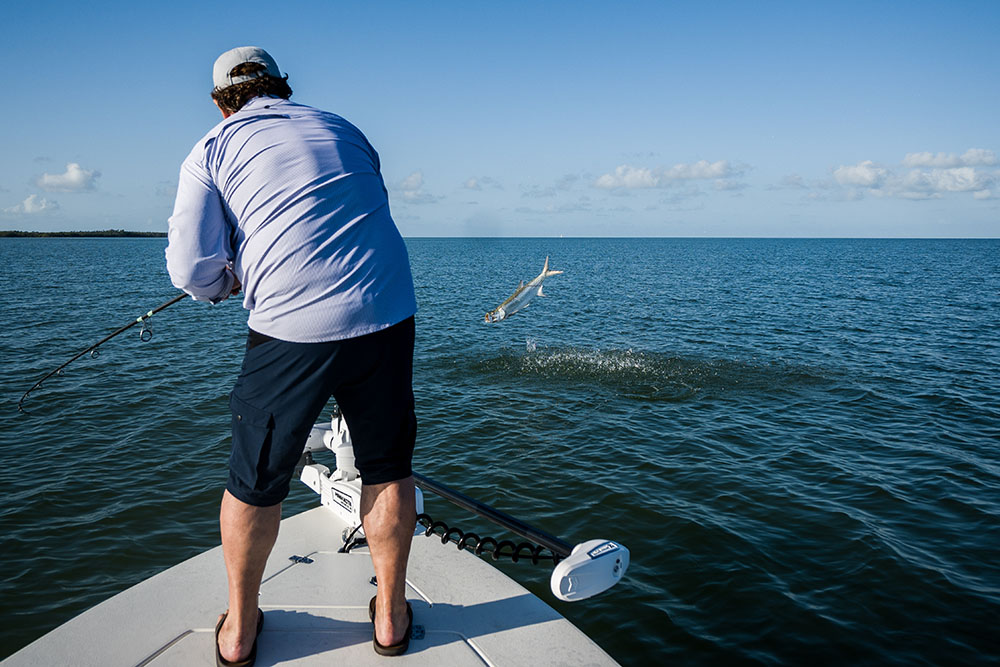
(796, 440)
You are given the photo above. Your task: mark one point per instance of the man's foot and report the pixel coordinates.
(395, 628)
(236, 647)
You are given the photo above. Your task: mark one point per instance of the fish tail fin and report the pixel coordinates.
(546, 272)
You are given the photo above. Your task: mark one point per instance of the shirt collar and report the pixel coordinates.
(262, 102)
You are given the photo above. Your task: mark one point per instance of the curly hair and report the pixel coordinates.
(232, 98)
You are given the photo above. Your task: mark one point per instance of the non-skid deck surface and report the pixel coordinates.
(465, 612)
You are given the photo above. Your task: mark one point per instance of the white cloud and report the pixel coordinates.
(630, 177)
(75, 179)
(33, 204)
(974, 157)
(866, 174)
(700, 169)
(477, 183)
(411, 190)
(914, 195)
(915, 183)
(790, 182)
(626, 176)
(958, 179)
(413, 182)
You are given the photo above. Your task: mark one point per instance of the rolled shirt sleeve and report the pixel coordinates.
(199, 254)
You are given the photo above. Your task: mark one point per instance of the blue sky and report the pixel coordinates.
(536, 119)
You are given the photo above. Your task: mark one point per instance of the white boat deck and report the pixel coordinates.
(465, 612)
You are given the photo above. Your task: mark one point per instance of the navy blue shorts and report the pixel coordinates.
(284, 386)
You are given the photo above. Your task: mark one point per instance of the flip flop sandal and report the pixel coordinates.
(247, 661)
(394, 649)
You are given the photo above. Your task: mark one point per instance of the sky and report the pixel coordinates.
(721, 119)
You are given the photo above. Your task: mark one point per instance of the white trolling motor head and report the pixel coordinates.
(592, 567)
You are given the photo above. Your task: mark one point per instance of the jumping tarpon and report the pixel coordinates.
(522, 296)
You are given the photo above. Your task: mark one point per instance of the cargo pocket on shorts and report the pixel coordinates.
(253, 431)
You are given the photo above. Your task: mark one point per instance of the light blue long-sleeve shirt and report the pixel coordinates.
(290, 200)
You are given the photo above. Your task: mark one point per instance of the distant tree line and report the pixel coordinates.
(106, 233)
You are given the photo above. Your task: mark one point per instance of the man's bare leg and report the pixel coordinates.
(248, 534)
(389, 515)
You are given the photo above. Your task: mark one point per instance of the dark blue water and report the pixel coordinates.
(797, 439)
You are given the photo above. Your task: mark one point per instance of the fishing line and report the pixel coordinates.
(145, 335)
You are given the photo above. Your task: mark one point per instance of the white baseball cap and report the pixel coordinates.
(224, 64)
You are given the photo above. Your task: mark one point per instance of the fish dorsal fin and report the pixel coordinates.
(520, 285)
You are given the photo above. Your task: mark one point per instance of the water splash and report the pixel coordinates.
(641, 374)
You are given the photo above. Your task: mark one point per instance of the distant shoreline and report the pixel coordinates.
(107, 233)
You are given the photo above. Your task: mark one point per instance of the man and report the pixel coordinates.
(288, 202)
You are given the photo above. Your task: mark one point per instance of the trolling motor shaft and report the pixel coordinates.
(514, 525)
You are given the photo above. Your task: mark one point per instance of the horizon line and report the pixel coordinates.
(123, 233)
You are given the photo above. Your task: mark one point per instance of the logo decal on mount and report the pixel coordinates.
(343, 500)
(602, 550)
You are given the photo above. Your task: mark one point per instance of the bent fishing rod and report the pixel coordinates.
(145, 334)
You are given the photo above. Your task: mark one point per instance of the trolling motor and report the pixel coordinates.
(580, 571)
(341, 489)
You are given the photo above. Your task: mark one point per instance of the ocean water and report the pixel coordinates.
(796, 439)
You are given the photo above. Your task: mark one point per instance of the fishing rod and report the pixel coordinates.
(145, 334)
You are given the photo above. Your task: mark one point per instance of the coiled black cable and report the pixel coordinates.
(486, 545)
